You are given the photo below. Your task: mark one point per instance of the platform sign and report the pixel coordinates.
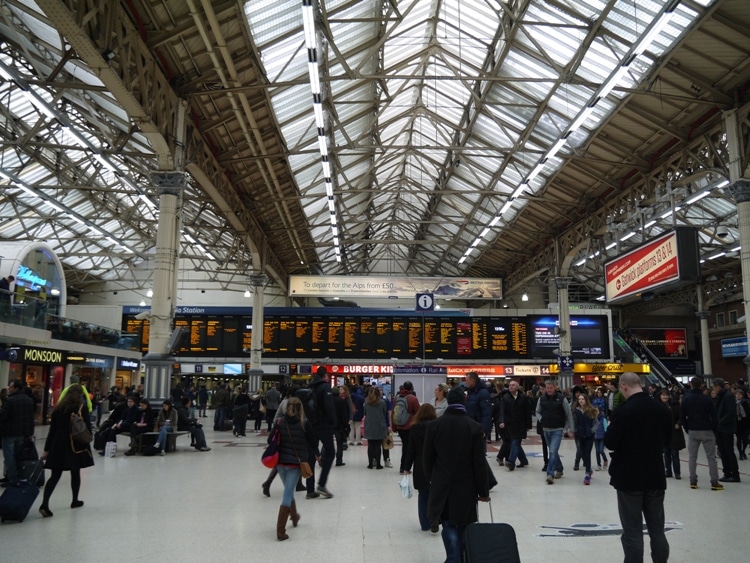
(566, 363)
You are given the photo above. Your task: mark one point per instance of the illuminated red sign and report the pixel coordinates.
(651, 265)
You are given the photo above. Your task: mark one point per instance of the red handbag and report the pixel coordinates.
(270, 457)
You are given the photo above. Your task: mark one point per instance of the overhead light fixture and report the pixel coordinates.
(525, 297)
(108, 55)
(142, 303)
(150, 293)
(247, 293)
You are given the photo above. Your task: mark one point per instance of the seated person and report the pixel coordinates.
(184, 422)
(127, 418)
(166, 422)
(144, 423)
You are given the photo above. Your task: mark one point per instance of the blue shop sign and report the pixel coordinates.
(734, 347)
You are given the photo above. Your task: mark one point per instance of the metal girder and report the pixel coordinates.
(140, 86)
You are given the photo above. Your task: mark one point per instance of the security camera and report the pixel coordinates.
(722, 231)
(143, 316)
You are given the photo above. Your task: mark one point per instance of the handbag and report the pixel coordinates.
(80, 435)
(305, 470)
(388, 442)
(270, 457)
(28, 451)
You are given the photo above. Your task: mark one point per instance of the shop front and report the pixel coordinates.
(42, 370)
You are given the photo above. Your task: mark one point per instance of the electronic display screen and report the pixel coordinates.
(405, 337)
(590, 336)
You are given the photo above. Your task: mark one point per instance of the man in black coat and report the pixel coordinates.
(726, 427)
(515, 418)
(455, 466)
(638, 432)
(16, 424)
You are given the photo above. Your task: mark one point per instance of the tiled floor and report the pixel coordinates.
(192, 506)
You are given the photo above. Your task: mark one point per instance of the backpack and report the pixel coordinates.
(309, 404)
(401, 411)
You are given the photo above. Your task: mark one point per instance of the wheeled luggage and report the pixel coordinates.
(31, 471)
(491, 543)
(19, 496)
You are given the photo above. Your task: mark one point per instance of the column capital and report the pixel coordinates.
(563, 282)
(702, 315)
(168, 181)
(740, 191)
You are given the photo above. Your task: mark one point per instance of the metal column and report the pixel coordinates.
(158, 362)
(258, 283)
(566, 374)
(705, 341)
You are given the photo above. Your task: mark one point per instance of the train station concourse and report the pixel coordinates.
(193, 506)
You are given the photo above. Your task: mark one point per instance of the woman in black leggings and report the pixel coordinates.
(61, 453)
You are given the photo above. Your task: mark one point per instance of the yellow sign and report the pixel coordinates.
(614, 369)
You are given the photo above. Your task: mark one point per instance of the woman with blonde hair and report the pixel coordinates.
(296, 438)
(61, 453)
(439, 402)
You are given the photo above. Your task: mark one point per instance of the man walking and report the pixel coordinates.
(16, 424)
(553, 412)
(699, 421)
(640, 429)
(515, 419)
(455, 467)
(726, 427)
(479, 403)
(324, 425)
(6, 297)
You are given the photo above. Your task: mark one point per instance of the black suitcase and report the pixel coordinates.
(19, 496)
(100, 439)
(29, 469)
(491, 543)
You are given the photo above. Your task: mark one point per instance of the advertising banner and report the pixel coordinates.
(394, 287)
(664, 342)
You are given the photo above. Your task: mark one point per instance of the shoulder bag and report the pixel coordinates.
(304, 467)
(270, 457)
(80, 435)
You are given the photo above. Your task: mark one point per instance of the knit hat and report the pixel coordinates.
(456, 396)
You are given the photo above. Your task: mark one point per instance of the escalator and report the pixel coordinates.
(630, 349)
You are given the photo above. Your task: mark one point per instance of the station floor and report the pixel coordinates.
(193, 506)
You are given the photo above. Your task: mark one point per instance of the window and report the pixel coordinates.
(732, 317)
(719, 320)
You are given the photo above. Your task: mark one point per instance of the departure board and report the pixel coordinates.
(405, 337)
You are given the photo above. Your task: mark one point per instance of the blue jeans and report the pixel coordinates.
(453, 540)
(11, 445)
(553, 438)
(516, 452)
(161, 440)
(289, 476)
(423, 496)
(600, 455)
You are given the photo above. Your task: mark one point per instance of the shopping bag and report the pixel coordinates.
(110, 450)
(405, 484)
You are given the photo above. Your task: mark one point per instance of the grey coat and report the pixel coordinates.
(375, 417)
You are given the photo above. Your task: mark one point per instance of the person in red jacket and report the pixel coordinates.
(403, 430)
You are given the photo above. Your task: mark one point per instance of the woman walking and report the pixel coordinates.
(61, 453)
(296, 438)
(376, 426)
(414, 451)
(586, 419)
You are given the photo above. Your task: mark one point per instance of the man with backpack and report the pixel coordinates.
(405, 407)
(317, 400)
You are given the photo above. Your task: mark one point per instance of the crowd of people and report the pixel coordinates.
(317, 423)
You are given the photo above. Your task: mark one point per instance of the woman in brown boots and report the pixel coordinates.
(296, 438)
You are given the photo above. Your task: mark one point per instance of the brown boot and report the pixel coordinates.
(281, 523)
(293, 514)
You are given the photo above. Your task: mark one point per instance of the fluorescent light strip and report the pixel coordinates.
(715, 256)
(610, 246)
(629, 235)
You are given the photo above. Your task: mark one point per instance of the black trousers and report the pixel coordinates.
(634, 507)
(725, 442)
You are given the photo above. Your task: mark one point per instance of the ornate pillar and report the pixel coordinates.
(705, 342)
(566, 371)
(258, 283)
(158, 362)
(740, 190)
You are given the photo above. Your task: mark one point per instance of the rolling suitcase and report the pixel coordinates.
(19, 496)
(30, 469)
(491, 543)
